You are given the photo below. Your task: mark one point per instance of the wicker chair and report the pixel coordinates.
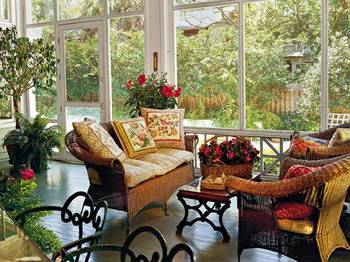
(257, 224)
(328, 152)
(107, 182)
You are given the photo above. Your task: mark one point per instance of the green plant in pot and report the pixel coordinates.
(34, 142)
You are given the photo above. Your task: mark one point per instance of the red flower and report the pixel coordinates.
(142, 79)
(27, 174)
(218, 151)
(207, 151)
(167, 91)
(230, 155)
(178, 91)
(128, 85)
(248, 159)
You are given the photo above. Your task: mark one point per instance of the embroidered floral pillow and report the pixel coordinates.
(134, 136)
(165, 126)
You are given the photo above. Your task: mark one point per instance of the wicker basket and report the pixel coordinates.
(207, 184)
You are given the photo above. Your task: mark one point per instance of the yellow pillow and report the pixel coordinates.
(97, 140)
(166, 126)
(300, 226)
(341, 136)
(134, 137)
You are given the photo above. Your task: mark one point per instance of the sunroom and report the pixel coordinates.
(199, 129)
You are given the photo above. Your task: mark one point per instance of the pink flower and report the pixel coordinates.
(128, 85)
(142, 79)
(207, 151)
(167, 91)
(230, 155)
(27, 174)
(178, 91)
(218, 151)
(245, 151)
(248, 159)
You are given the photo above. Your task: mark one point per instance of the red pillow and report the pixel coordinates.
(299, 170)
(299, 145)
(287, 210)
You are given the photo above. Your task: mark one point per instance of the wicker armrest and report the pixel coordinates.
(190, 142)
(327, 152)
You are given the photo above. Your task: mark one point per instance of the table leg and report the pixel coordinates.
(183, 222)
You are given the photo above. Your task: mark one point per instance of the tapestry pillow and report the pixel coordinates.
(341, 136)
(299, 145)
(166, 126)
(97, 140)
(134, 137)
(289, 210)
(299, 170)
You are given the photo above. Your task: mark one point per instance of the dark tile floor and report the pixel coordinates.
(64, 179)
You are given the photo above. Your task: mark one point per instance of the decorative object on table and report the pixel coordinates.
(165, 126)
(234, 157)
(34, 143)
(134, 136)
(24, 64)
(152, 92)
(214, 182)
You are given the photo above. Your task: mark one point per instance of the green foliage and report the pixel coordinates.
(20, 196)
(34, 142)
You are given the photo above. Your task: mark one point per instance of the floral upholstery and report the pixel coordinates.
(165, 126)
(299, 170)
(134, 136)
(287, 210)
(299, 145)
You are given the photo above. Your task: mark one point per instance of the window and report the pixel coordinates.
(5, 108)
(4, 10)
(39, 11)
(282, 50)
(127, 58)
(207, 65)
(79, 8)
(118, 7)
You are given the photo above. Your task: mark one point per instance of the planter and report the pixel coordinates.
(10, 151)
(238, 170)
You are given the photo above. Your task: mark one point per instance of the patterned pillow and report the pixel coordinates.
(134, 136)
(341, 136)
(299, 145)
(166, 126)
(287, 210)
(97, 140)
(299, 170)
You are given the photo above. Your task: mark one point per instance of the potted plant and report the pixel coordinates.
(152, 92)
(231, 157)
(34, 143)
(24, 64)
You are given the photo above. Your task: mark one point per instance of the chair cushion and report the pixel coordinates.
(290, 210)
(299, 145)
(97, 140)
(304, 227)
(299, 170)
(137, 171)
(166, 126)
(134, 137)
(340, 136)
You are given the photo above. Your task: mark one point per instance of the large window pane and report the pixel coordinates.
(5, 108)
(282, 44)
(339, 62)
(70, 9)
(187, 2)
(38, 11)
(77, 114)
(207, 65)
(4, 10)
(46, 101)
(127, 55)
(117, 6)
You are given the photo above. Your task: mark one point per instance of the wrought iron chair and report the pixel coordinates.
(258, 227)
(126, 254)
(89, 213)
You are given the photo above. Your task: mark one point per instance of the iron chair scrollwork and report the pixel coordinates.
(258, 227)
(87, 213)
(126, 254)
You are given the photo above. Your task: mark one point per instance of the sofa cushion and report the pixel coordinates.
(290, 210)
(137, 171)
(134, 136)
(299, 145)
(300, 170)
(340, 136)
(304, 227)
(97, 140)
(166, 126)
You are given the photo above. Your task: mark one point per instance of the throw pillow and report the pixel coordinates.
(341, 136)
(97, 140)
(299, 170)
(288, 210)
(134, 137)
(299, 145)
(166, 126)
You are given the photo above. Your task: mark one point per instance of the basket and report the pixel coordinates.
(208, 183)
(239, 170)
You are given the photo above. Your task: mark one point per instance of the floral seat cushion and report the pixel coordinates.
(299, 145)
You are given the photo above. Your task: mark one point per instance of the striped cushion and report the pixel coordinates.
(288, 210)
(299, 170)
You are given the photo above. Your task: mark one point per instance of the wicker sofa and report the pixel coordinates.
(108, 180)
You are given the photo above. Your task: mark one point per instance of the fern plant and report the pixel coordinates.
(34, 144)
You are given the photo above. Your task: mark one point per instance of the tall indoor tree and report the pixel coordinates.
(24, 64)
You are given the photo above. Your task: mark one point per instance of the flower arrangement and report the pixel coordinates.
(152, 92)
(233, 151)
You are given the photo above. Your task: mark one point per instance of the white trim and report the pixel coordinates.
(242, 79)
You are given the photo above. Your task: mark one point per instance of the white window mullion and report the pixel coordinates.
(242, 91)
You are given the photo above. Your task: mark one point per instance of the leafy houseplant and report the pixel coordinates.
(24, 65)
(152, 92)
(34, 142)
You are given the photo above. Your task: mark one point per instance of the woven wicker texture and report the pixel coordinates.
(257, 225)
